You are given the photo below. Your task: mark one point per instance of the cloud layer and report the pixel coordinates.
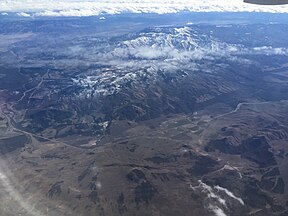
(93, 7)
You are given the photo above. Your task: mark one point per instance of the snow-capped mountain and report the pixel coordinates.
(150, 54)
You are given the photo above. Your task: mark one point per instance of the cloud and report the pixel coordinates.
(92, 8)
(216, 210)
(23, 14)
(215, 201)
(211, 194)
(229, 193)
(268, 50)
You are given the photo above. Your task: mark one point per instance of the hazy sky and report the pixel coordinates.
(96, 7)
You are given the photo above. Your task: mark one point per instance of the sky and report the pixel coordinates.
(98, 7)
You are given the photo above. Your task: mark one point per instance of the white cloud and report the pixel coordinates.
(91, 8)
(215, 201)
(23, 14)
(268, 50)
(217, 211)
(210, 194)
(229, 193)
